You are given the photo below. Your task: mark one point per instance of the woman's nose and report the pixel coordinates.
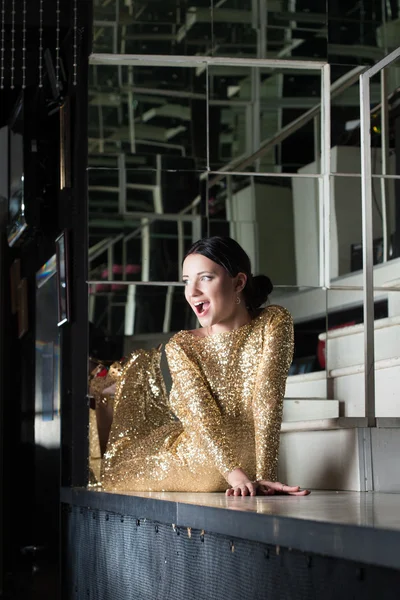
(192, 289)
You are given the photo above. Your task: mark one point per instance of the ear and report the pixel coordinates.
(241, 280)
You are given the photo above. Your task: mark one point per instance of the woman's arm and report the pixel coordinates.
(269, 390)
(197, 410)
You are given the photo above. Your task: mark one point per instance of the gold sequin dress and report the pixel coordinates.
(224, 410)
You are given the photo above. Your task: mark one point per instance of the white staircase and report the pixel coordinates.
(340, 452)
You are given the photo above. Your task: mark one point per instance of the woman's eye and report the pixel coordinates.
(185, 281)
(206, 278)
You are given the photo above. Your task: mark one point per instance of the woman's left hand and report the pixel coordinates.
(271, 488)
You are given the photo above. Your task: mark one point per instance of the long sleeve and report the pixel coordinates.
(195, 407)
(269, 391)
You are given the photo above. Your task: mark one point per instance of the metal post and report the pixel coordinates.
(181, 247)
(130, 310)
(255, 105)
(124, 259)
(145, 226)
(92, 304)
(157, 193)
(367, 237)
(326, 170)
(385, 160)
(168, 309)
(122, 204)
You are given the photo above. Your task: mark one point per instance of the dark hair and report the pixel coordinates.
(230, 255)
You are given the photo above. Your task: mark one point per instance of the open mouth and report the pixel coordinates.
(201, 308)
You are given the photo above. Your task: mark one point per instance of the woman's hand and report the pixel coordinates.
(241, 484)
(110, 390)
(271, 488)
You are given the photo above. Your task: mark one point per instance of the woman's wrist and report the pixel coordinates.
(237, 477)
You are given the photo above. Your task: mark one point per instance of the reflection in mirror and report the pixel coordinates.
(163, 28)
(148, 110)
(123, 310)
(141, 223)
(277, 30)
(384, 122)
(307, 375)
(276, 220)
(248, 106)
(361, 33)
(345, 245)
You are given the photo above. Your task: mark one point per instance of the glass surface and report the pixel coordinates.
(149, 110)
(249, 105)
(346, 247)
(161, 27)
(47, 360)
(384, 123)
(361, 33)
(141, 223)
(277, 29)
(276, 220)
(119, 311)
(308, 309)
(345, 223)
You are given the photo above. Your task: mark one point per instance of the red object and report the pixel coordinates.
(321, 349)
(102, 373)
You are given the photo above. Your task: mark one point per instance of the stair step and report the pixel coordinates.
(307, 385)
(309, 409)
(331, 455)
(345, 347)
(348, 386)
(321, 459)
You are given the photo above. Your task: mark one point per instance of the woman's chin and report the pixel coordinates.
(205, 321)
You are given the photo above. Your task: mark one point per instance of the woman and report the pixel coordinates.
(222, 422)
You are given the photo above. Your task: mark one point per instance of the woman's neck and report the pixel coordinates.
(240, 317)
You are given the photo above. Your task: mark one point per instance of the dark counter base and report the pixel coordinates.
(111, 557)
(361, 527)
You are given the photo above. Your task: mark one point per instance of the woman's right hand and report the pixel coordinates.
(241, 484)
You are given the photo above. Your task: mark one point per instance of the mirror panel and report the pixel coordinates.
(248, 106)
(361, 33)
(149, 110)
(276, 220)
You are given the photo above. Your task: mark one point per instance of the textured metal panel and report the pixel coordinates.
(116, 557)
(351, 526)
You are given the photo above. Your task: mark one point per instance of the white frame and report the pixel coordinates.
(323, 178)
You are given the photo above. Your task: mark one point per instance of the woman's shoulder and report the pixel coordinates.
(274, 314)
(178, 341)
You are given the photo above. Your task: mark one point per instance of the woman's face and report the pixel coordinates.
(210, 290)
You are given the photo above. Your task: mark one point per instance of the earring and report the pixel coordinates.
(238, 300)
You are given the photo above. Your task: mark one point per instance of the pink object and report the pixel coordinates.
(118, 270)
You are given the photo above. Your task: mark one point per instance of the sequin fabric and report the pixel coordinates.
(96, 387)
(224, 410)
(94, 447)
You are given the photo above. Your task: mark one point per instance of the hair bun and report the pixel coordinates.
(262, 288)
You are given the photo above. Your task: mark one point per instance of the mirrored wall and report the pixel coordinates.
(240, 119)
